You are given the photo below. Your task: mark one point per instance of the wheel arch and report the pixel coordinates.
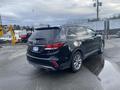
(74, 52)
(79, 50)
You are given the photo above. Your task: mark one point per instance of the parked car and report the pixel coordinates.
(6, 38)
(61, 48)
(24, 37)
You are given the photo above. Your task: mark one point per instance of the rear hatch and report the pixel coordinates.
(42, 40)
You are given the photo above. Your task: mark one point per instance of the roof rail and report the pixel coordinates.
(44, 28)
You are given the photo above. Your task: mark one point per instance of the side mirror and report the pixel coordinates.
(95, 34)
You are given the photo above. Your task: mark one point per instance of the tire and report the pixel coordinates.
(76, 62)
(101, 48)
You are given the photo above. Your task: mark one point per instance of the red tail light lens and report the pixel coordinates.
(53, 46)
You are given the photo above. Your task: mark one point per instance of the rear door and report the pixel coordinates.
(80, 38)
(87, 41)
(95, 40)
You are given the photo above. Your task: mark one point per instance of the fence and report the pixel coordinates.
(113, 26)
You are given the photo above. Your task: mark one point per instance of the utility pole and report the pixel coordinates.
(97, 5)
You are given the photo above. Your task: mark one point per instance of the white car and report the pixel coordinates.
(6, 38)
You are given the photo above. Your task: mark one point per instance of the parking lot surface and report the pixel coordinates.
(17, 74)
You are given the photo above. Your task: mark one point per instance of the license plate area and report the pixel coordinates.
(35, 49)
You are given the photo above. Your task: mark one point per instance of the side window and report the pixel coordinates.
(91, 32)
(63, 34)
(77, 32)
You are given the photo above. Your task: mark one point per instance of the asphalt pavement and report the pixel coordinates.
(17, 74)
(110, 75)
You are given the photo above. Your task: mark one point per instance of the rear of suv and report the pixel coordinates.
(59, 48)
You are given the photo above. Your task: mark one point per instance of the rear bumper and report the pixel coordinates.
(42, 66)
(52, 63)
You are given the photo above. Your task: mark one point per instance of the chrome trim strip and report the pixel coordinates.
(42, 66)
(48, 67)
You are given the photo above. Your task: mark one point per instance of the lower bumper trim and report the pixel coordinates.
(42, 66)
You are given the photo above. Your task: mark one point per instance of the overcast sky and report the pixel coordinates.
(30, 12)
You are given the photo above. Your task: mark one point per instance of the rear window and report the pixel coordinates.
(47, 35)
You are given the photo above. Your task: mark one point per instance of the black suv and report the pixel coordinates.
(58, 48)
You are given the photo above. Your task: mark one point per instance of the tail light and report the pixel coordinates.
(53, 46)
